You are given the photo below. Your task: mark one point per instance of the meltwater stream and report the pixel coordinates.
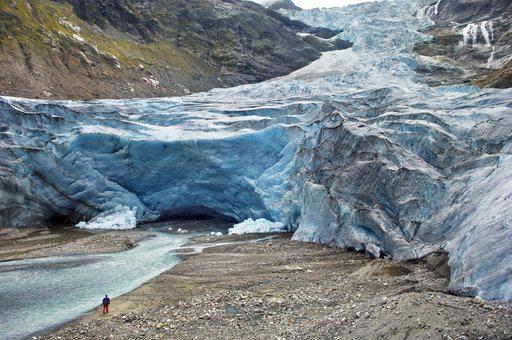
(40, 293)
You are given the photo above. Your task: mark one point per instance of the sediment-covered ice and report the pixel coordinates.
(260, 225)
(119, 218)
(352, 151)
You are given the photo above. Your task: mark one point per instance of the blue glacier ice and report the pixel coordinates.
(354, 151)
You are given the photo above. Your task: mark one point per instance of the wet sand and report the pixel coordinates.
(284, 289)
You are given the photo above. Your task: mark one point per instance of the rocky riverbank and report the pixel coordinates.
(285, 289)
(23, 243)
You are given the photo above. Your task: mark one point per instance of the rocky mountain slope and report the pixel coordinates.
(137, 48)
(473, 37)
(284, 4)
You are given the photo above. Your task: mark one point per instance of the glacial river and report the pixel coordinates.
(37, 294)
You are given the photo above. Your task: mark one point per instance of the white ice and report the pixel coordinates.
(119, 218)
(261, 225)
(471, 31)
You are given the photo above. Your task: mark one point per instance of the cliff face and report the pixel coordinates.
(80, 49)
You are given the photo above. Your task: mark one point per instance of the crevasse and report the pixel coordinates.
(351, 151)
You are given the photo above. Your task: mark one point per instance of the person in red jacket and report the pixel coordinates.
(106, 302)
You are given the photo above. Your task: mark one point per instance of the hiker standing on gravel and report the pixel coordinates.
(106, 302)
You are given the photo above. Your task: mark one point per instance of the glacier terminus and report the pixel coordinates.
(352, 151)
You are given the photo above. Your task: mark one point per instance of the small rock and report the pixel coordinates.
(232, 310)
(465, 322)
(479, 300)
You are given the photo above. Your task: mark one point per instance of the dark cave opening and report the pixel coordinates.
(195, 213)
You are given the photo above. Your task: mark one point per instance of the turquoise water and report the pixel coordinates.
(36, 294)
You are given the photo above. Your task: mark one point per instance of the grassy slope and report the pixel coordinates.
(39, 55)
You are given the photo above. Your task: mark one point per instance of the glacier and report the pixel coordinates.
(353, 151)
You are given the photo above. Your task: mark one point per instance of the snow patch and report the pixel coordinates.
(78, 38)
(65, 23)
(260, 225)
(119, 218)
(151, 81)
